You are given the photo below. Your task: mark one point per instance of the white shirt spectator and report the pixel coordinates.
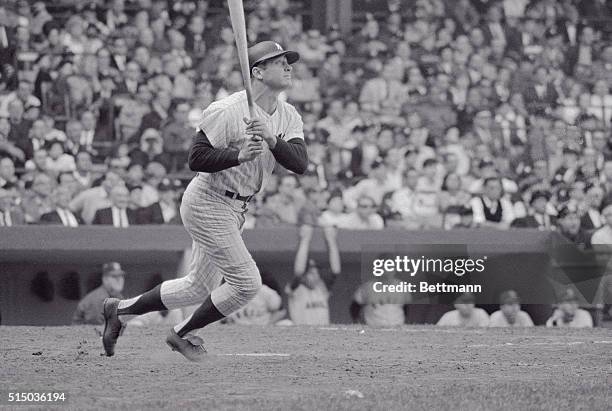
(63, 163)
(602, 236)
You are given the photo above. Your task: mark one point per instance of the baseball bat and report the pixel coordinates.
(236, 10)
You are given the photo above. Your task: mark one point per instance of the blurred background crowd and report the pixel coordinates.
(429, 114)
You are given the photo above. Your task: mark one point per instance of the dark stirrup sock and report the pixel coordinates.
(147, 302)
(206, 314)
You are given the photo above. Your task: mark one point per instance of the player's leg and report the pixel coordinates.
(176, 293)
(231, 257)
(180, 292)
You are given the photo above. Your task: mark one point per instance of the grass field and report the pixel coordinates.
(294, 368)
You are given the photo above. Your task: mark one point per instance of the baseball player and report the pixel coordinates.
(234, 156)
(380, 309)
(510, 313)
(569, 314)
(465, 314)
(308, 294)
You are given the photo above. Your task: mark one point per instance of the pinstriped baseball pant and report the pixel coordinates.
(215, 225)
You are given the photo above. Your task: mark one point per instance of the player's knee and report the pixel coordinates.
(251, 287)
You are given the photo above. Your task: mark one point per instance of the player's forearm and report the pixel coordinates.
(291, 154)
(301, 257)
(203, 157)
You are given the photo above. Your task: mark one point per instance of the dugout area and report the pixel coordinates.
(45, 270)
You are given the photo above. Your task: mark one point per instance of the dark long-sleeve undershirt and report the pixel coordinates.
(291, 154)
(203, 157)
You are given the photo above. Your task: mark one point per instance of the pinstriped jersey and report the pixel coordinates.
(223, 124)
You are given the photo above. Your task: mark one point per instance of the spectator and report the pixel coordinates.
(10, 214)
(592, 218)
(158, 115)
(334, 215)
(365, 216)
(177, 136)
(568, 313)
(24, 94)
(154, 174)
(568, 223)
(83, 170)
(465, 314)
(36, 201)
(89, 201)
(309, 293)
(118, 214)
(59, 161)
(510, 313)
(90, 308)
(538, 215)
(8, 148)
(603, 235)
(451, 199)
(61, 214)
(151, 149)
(491, 209)
(403, 200)
(7, 173)
(19, 128)
(166, 210)
(374, 186)
(283, 207)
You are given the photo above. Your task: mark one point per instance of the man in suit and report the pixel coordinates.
(118, 214)
(538, 216)
(61, 215)
(492, 209)
(541, 96)
(9, 214)
(166, 210)
(132, 79)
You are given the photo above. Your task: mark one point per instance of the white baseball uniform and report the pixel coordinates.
(215, 220)
(259, 310)
(382, 309)
(308, 306)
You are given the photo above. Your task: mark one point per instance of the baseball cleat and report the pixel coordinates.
(112, 326)
(193, 352)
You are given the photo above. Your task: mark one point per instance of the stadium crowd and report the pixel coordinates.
(432, 114)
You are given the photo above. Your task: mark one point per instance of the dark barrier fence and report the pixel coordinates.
(44, 270)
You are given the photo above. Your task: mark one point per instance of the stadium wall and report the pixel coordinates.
(44, 270)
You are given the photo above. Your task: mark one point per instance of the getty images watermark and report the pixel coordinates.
(392, 269)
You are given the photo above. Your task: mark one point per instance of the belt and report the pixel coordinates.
(236, 196)
(232, 195)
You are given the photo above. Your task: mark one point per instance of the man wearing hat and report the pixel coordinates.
(89, 310)
(568, 314)
(465, 313)
(234, 156)
(538, 216)
(510, 313)
(568, 223)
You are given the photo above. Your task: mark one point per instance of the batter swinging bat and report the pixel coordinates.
(236, 10)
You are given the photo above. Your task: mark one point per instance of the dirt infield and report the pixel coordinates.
(291, 368)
